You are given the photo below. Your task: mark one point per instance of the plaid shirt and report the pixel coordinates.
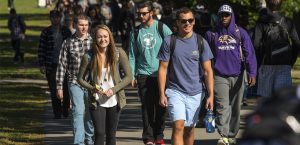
(70, 57)
(46, 47)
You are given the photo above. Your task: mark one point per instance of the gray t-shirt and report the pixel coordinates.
(185, 74)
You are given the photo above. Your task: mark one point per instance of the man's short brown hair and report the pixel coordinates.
(81, 17)
(183, 10)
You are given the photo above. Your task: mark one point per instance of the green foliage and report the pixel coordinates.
(289, 7)
(36, 19)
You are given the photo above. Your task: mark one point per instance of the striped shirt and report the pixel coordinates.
(70, 57)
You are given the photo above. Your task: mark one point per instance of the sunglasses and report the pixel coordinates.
(142, 13)
(183, 21)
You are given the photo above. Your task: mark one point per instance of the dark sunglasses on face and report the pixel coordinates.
(224, 14)
(142, 13)
(183, 21)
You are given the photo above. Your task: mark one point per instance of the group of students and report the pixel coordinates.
(82, 55)
(170, 70)
(175, 67)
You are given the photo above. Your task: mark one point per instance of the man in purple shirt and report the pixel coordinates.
(233, 52)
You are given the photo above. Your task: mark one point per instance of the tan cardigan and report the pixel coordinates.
(118, 89)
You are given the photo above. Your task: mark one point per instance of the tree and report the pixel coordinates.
(289, 7)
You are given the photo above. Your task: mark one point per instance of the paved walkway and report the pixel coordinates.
(59, 132)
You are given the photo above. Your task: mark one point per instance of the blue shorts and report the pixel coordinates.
(183, 107)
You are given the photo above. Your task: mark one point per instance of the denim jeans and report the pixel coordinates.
(83, 128)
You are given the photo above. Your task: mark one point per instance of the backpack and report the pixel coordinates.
(137, 28)
(277, 44)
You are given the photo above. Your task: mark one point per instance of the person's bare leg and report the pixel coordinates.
(188, 136)
(177, 133)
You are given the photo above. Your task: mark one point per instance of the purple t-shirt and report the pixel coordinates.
(185, 74)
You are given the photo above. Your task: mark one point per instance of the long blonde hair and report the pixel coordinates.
(96, 64)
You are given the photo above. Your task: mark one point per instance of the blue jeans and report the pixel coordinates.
(83, 128)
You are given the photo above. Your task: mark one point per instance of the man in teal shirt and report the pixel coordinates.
(144, 46)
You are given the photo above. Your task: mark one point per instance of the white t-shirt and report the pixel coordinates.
(106, 83)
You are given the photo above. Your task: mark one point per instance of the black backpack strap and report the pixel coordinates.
(160, 29)
(212, 41)
(136, 34)
(172, 44)
(200, 44)
(201, 50)
(282, 24)
(238, 33)
(172, 49)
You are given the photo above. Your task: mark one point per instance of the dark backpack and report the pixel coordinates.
(277, 44)
(137, 28)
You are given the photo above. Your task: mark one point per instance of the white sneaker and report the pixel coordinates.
(223, 141)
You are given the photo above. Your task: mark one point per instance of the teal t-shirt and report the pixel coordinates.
(143, 53)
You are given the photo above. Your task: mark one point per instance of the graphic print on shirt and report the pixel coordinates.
(148, 41)
(227, 42)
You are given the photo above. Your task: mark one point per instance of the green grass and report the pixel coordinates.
(297, 64)
(36, 19)
(21, 106)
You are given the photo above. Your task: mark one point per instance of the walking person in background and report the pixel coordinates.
(185, 57)
(10, 4)
(144, 45)
(95, 18)
(51, 40)
(105, 11)
(233, 52)
(68, 65)
(102, 63)
(17, 28)
(126, 24)
(277, 45)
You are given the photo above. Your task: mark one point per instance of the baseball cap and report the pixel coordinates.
(225, 9)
